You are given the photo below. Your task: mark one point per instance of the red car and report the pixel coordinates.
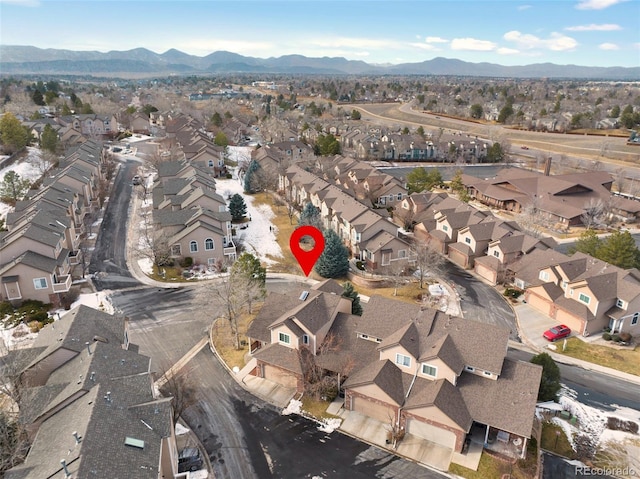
(557, 332)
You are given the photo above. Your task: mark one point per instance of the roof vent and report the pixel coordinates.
(76, 437)
(304, 295)
(64, 466)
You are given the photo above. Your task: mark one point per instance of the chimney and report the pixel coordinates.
(547, 166)
(76, 437)
(64, 466)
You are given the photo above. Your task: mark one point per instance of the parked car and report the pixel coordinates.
(557, 332)
(137, 180)
(189, 459)
(524, 147)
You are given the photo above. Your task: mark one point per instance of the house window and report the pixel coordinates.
(40, 283)
(496, 253)
(210, 163)
(429, 370)
(584, 298)
(399, 196)
(445, 228)
(193, 247)
(619, 303)
(467, 240)
(403, 360)
(305, 339)
(209, 244)
(544, 276)
(176, 250)
(284, 338)
(634, 321)
(402, 253)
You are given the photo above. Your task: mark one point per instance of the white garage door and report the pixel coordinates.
(280, 376)
(431, 433)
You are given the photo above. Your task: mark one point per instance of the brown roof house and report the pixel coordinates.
(89, 403)
(434, 376)
(585, 293)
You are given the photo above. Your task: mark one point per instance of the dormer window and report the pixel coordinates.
(496, 253)
(429, 370)
(467, 240)
(544, 276)
(584, 298)
(403, 360)
(305, 339)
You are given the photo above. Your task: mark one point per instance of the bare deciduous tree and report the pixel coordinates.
(428, 261)
(180, 386)
(594, 212)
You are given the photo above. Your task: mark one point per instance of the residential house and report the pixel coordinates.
(434, 376)
(474, 239)
(587, 295)
(89, 403)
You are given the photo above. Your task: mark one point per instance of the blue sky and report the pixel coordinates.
(508, 32)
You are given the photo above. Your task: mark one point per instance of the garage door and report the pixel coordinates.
(457, 257)
(539, 303)
(575, 324)
(431, 433)
(280, 376)
(486, 273)
(381, 412)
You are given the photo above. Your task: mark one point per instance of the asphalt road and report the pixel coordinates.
(108, 261)
(480, 301)
(555, 467)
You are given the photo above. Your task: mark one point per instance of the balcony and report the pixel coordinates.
(229, 248)
(75, 257)
(63, 285)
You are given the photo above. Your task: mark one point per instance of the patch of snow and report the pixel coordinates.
(31, 168)
(240, 154)
(16, 337)
(294, 407)
(100, 301)
(146, 265)
(200, 474)
(180, 429)
(259, 236)
(568, 430)
(329, 425)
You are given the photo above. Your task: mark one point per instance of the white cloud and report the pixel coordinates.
(507, 51)
(593, 27)
(524, 7)
(435, 40)
(556, 42)
(596, 4)
(472, 44)
(608, 46)
(424, 46)
(22, 3)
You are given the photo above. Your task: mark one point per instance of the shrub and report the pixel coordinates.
(359, 265)
(229, 176)
(512, 292)
(606, 337)
(186, 262)
(5, 309)
(626, 337)
(616, 338)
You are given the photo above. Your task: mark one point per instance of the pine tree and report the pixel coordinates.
(334, 260)
(589, 243)
(619, 249)
(550, 381)
(49, 140)
(250, 177)
(310, 216)
(351, 293)
(237, 207)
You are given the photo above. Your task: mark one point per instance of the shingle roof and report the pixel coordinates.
(281, 356)
(443, 395)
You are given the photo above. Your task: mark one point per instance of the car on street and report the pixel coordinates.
(137, 180)
(524, 147)
(557, 332)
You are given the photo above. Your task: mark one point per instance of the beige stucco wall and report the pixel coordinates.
(390, 354)
(443, 372)
(201, 256)
(26, 276)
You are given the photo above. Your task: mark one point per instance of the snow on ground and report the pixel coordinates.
(294, 407)
(240, 154)
(30, 169)
(592, 422)
(259, 237)
(329, 425)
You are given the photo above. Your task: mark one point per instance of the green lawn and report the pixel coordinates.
(627, 360)
(554, 439)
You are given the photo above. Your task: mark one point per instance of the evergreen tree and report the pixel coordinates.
(66, 111)
(13, 135)
(619, 249)
(237, 207)
(550, 381)
(13, 188)
(334, 260)
(250, 267)
(38, 98)
(251, 177)
(420, 179)
(221, 139)
(495, 154)
(216, 119)
(49, 140)
(588, 243)
(458, 187)
(310, 215)
(351, 293)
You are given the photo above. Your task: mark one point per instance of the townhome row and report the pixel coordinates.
(88, 403)
(40, 251)
(369, 234)
(189, 217)
(436, 377)
(580, 291)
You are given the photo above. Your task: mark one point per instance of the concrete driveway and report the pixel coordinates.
(532, 323)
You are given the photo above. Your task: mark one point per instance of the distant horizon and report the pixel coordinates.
(590, 33)
(325, 56)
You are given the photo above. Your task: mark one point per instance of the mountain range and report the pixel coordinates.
(22, 60)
